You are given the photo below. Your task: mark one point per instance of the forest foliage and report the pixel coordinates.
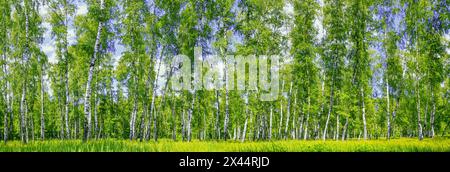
(365, 69)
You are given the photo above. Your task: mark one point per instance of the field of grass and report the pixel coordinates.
(109, 145)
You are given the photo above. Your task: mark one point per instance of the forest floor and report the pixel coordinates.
(166, 145)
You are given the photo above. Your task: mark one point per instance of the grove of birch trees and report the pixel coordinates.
(350, 69)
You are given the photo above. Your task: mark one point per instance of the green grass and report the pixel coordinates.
(110, 145)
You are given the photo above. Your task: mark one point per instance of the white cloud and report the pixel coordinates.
(49, 50)
(82, 9)
(71, 38)
(43, 11)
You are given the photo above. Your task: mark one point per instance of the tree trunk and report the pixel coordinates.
(96, 102)
(134, 112)
(87, 98)
(364, 113)
(216, 125)
(183, 126)
(433, 112)
(7, 98)
(174, 121)
(417, 82)
(394, 112)
(227, 113)
(317, 132)
(337, 127)
(345, 129)
(42, 105)
(191, 111)
(23, 130)
(30, 121)
(424, 128)
(143, 124)
(293, 127)
(244, 132)
(143, 116)
(270, 123)
(300, 121)
(23, 118)
(419, 123)
(288, 112)
(60, 109)
(388, 116)
(307, 117)
(66, 114)
(329, 109)
(152, 106)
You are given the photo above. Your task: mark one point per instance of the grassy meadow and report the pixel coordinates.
(111, 145)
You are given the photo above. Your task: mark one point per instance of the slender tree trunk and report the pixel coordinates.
(134, 112)
(270, 123)
(143, 117)
(174, 120)
(317, 132)
(281, 120)
(417, 81)
(388, 116)
(300, 121)
(288, 112)
(293, 127)
(234, 134)
(324, 136)
(307, 117)
(67, 101)
(30, 121)
(23, 118)
(337, 127)
(155, 125)
(239, 132)
(281, 113)
(87, 98)
(96, 103)
(191, 111)
(433, 112)
(424, 128)
(227, 115)
(23, 133)
(152, 105)
(244, 132)
(419, 123)
(183, 126)
(345, 129)
(7, 98)
(42, 105)
(364, 113)
(216, 125)
(60, 109)
(394, 112)
(143, 125)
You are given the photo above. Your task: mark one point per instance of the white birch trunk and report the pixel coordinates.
(288, 112)
(388, 116)
(364, 113)
(66, 114)
(216, 125)
(307, 117)
(87, 97)
(270, 123)
(433, 112)
(7, 98)
(42, 105)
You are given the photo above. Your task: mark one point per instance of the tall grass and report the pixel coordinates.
(110, 145)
